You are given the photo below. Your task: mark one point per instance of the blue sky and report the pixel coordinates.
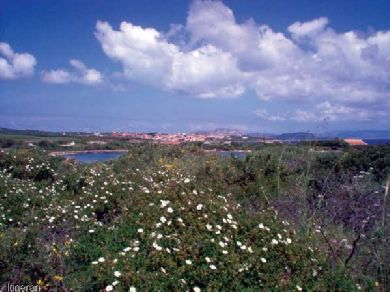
(259, 66)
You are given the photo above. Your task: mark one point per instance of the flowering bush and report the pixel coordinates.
(153, 220)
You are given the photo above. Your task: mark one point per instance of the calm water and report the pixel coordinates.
(377, 141)
(91, 157)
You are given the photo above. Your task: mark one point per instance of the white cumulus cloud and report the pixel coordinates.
(308, 28)
(79, 74)
(212, 55)
(15, 65)
(148, 57)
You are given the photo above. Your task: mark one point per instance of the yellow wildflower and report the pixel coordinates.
(58, 278)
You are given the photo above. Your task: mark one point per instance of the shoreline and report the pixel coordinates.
(73, 152)
(216, 150)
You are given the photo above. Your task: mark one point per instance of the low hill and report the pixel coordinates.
(299, 136)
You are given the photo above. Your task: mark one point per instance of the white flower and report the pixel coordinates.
(274, 242)
(94, 263)
(199, 207)
(209, 227)
(288, 240)
(164, 203)
(239, 243)
(299, 288)
(163, 219)
(187, 180)
(109, 288)
(188, 262)
(140, 230)
(115, 283)
(91, 231)
(156, 246)
(132, 289)
(225, 252)
(126, 249)
(261, 226)
(117, 274)
(196, 289)
(263, 260)
(208, 259)
(101, 260)
(169, 210)
(213, 267)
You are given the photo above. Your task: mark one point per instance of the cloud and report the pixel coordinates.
(264, 115)
(56, 76)
(309, 28)
(79, 74)
(212, 55)
(206, 72)
(338, 112)
(14, 65)
(304, 116)
(147, 57)
(324, 111)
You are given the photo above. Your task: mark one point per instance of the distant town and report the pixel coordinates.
(227, 136)
(214, 138)
(206, 138)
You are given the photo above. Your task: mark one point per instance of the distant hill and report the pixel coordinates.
(261, 135)
(364, 134)
(358, 134)
(296, 136)
(6, 131)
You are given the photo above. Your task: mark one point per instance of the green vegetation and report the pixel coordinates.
(285, 218)
(56, 143)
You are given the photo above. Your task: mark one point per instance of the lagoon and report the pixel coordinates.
(93, 157)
